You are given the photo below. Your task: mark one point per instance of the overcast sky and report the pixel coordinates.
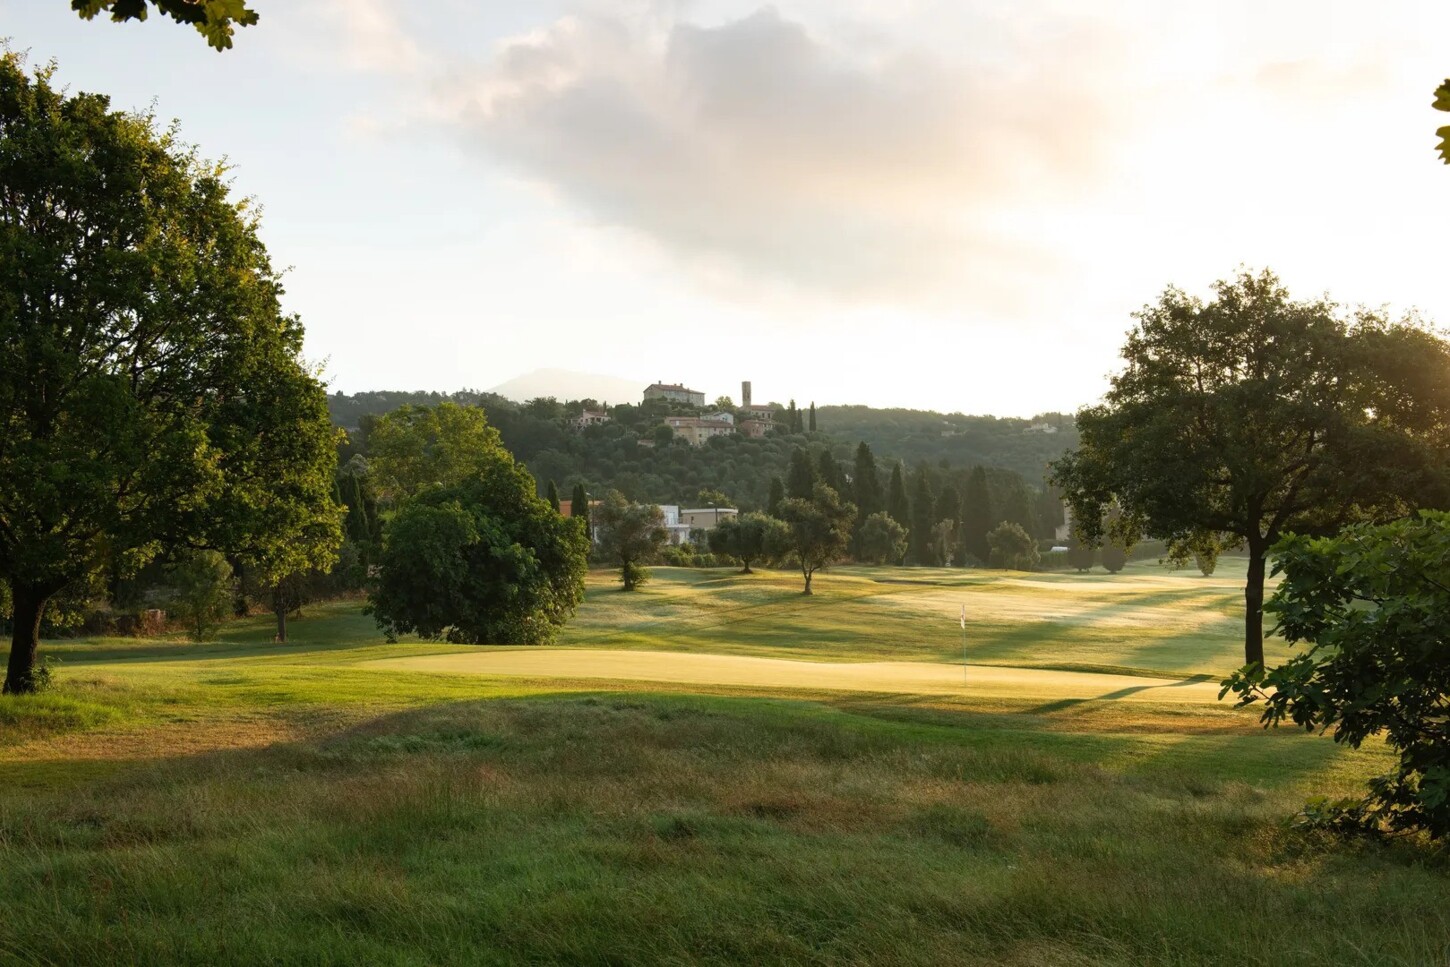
(945, 204)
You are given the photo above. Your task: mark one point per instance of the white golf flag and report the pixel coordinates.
(964, 617)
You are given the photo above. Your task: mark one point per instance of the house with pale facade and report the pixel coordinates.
(590, 418)
(674, 392)
(696, 430)
(706, 518)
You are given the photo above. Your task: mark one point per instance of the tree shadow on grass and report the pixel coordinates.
(1064, 704)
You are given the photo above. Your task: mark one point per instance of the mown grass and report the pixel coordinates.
(242, 802)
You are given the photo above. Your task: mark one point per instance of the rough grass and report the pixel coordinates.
(241, 802)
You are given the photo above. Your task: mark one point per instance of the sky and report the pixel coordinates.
(939, 204)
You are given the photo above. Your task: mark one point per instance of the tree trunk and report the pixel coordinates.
(746, 569)
(1254, 607)
(808, 581)
(29, 605)
(281, 612)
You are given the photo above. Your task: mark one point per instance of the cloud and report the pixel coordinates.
(759, 152)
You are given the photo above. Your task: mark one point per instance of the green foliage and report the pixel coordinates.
(415, 448)
(800, 481)
(977, 518)
(153, 393)
(881, 540)
(630, 535)
(1080, 556)
(919, 536)
(777, 494)
(483, 561)
(201, 591)
(820, 529)
(552, 496)
(1373, 607)
(213, 19)
(898, 505)
(579, 503)
(1442, 103)
(1114, 557)
(1253, 415)
(1012, 547)
(750, 537)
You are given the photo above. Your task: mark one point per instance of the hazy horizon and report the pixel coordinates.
(929, 205)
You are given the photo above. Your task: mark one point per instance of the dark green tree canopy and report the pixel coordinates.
(213, 19)
(484, 561)
(749, 538)
(881, 540)
(153, 393)
(1371, 608)
(1254, 415)
(820, 529)
(801, 478)
(631, 535)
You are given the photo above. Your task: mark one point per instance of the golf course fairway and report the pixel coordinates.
(904, 677)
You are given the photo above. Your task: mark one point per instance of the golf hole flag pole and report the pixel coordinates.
(964, 643)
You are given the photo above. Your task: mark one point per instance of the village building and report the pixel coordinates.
(706, 518)
(674, 392)
(590, 418)
(696, 430)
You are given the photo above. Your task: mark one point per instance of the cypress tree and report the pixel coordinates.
(948, 508)
(1017, 507)
(553, 496)
(800, 480)
(865, 490)
(793, 418)
(919, 536)
(777, 494)
(977, 518)
(896, 503)
(813, 416)
(579, 502)
(828, 472)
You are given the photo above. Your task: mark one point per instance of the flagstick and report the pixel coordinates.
(964, 644)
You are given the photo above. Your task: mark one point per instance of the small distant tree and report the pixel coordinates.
(663, 435)
(552, 496)
(820, 529)
(865, 488)
(724, 404)
(630, 535)
(1373, 607)
(1012, 547)
(750, 538)
(1080, 556)
(1114, 557)
(882, 540)
(813, 416)
(201, 592)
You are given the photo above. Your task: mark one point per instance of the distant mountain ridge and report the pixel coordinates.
(564, 384)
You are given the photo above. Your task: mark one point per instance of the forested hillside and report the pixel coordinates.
(636, 455)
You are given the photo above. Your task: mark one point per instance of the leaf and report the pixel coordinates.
(1444, 146)
(1442, 97)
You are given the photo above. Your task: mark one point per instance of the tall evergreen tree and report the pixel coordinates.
(793, 418)
(813, 416)
(828, 472)
(579, 503)
(552, 495)
(800, 480)
(919, 537)
(865, 489)
(948, 508)
(897, 504)
(777, 494)
(1017, 507)
(978, 517)
(1048, 510)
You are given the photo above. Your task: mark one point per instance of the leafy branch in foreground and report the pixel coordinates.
(1442, 103)
(213, 19)
(1373, 604)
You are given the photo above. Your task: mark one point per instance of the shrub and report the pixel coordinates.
(1012, 547)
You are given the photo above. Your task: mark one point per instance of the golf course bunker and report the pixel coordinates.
(905, 677)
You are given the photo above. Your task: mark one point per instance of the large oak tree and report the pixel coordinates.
(152, 394)
(1253, 415)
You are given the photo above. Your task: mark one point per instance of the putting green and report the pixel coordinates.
(904, 677)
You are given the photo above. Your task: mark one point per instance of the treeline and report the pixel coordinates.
(638, 456)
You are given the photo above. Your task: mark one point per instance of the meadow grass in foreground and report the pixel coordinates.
(240, 802)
